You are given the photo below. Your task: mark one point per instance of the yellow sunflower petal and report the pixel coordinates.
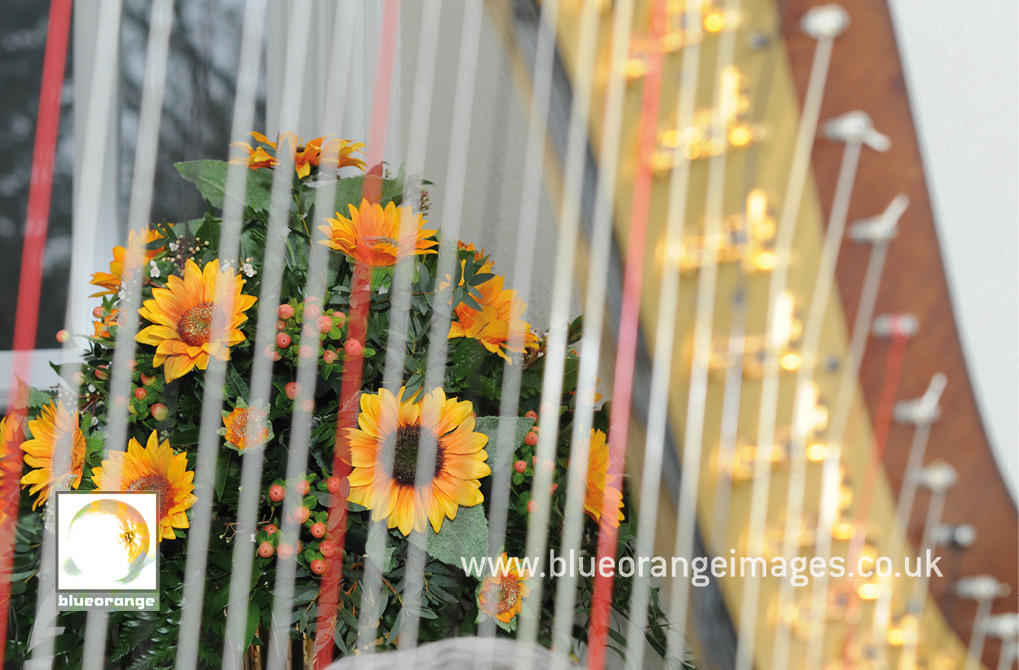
(389, 431)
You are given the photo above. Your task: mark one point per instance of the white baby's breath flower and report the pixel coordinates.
(248, 269)
(153, 269)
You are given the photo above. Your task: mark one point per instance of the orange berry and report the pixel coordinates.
(352, 348)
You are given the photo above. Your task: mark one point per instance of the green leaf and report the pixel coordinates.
(37, 399)
(392, 189)
(349, 191)
(222, 470)
(381, 278)
(501, 453)
(379, 551)
(464, 537)
(94, 445)
(468, 357)
(253, 617)
(210, 178)
(218, 601)
(236, 385)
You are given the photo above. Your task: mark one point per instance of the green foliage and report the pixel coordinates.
(464, 537)
(313, 327)
(501, 451)
(210, 178)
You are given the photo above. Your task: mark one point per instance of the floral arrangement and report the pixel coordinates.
(196, 308)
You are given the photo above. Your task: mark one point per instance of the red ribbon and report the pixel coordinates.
(30, 282)
(629, 322)
(357, 320)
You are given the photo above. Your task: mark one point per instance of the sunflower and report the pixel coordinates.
(185, 313)
(110, 281)
(372, 235)
(305, 155)
(153, 467)
(246, 427)
(496, 322)
(391, 429)
(11, 437)
(600, 484)
(339, 153)
(102, 326)
(501, 596)
(479, 257)
(54, 428)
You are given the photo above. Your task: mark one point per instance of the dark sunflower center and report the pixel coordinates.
(379, 239)
(405, 456)
(154, 483)
(195, 327)
(253, 425)
(508, 592)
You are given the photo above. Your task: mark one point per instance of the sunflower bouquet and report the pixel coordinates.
(388, 466)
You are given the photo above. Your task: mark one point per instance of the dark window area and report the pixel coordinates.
(22, 42)
(197, 114)
(198, 102)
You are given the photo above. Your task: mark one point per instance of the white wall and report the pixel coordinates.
(491, 207)
(962, 69)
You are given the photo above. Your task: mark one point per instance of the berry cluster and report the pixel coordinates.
(310, 517)
(529, 461)
(301, 321)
